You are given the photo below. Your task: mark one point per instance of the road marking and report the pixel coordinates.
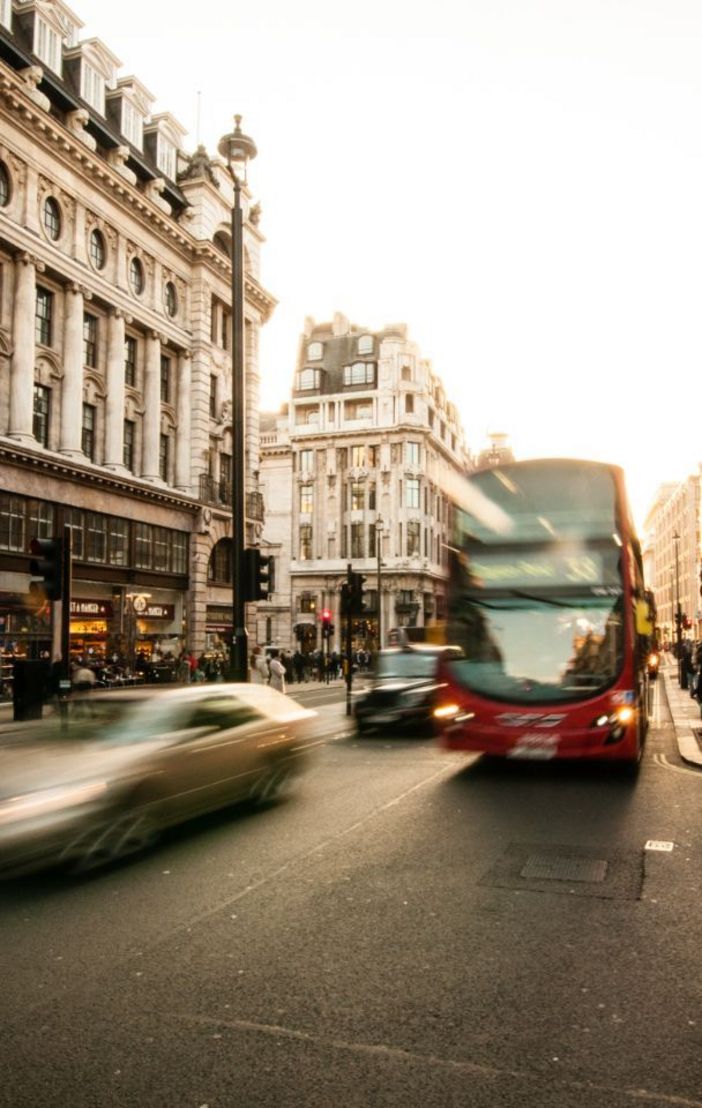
(662, 761)
(387, 1051)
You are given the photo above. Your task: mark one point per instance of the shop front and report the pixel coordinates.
(90, 630)
(219, 625)
(25, 632)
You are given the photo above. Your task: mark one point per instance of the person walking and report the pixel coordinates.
(277, 671)
(259, 667)
(299, 666)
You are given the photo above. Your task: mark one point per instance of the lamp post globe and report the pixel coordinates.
(237, 149)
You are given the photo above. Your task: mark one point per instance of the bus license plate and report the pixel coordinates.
(536, 746)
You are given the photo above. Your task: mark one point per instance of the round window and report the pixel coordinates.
(97, 249)
(171, 299)
(136, 276)
(52, 218)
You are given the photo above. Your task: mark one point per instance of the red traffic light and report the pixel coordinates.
(325, 615)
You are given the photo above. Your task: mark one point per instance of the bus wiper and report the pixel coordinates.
(540, 599)
(501, 606)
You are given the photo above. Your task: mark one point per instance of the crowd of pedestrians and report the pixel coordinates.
(299, 668)
(270, 666)
(690, 660)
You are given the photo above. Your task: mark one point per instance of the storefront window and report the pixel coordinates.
(12, 535)
(119, 541)
(142, 546)
(75, 520)
(96, 534)
(161, 536)
(41, 520)
(179, 550)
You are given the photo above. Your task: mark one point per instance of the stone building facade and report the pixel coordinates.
(374, 445)
(673, 547)
(115, 347)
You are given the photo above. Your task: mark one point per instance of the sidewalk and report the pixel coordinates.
(685, 712)
(7, 710)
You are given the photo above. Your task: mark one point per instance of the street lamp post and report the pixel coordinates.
(678, 612)
(379, 552)
(237, 148)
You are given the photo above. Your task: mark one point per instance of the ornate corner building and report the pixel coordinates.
(373, 444)
(115, 347)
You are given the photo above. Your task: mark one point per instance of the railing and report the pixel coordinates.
(217, 492)
(406, 606)
(254, 506)
(213, 491)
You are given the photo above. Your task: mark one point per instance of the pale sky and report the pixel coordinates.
(520, 181)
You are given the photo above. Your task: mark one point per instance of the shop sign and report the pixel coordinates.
(98, 609)
(155, 611)
(219, 617)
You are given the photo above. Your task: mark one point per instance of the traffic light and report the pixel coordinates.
(356, 583)
(46, 568)
(259, 573)
(327, 625)
(345, 599)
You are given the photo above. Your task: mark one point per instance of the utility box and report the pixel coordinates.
(30, 687)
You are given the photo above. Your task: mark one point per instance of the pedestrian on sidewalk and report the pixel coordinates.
(277, 671)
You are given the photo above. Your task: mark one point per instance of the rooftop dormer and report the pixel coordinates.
(163, 138)
(90, 68)
(128, 109)
(45, 27)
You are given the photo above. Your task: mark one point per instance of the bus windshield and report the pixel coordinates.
(536, 600)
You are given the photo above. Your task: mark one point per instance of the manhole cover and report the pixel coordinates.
(569, 869)
(545, 868)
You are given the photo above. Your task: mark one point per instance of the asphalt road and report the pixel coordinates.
(410, 928)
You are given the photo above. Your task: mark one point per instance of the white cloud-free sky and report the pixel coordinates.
(520, 181)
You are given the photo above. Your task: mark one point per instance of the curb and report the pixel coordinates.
(686, 717)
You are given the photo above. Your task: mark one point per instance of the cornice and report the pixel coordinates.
(55, 465)
(253, 291)
(93, 166)
(74, 151)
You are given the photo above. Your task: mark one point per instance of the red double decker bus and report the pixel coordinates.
(547, 600)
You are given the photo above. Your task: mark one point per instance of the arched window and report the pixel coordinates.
(223, 243)
(219, 568)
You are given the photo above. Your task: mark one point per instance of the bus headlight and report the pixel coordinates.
(617, 721)
(452, 713)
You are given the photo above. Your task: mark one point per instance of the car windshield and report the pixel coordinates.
(409, 664)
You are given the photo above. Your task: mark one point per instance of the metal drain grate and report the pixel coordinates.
(569, 869)
(540, 867)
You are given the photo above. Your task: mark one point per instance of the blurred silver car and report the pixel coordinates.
(102, 782)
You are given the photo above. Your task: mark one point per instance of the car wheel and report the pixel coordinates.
(274, 782)
(125, 834)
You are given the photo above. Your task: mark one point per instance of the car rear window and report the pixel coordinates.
(410, 664)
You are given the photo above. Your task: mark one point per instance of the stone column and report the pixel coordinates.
(183, 480)
(114, 392)
(22, 365)
(151, 427)
(72, 385)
